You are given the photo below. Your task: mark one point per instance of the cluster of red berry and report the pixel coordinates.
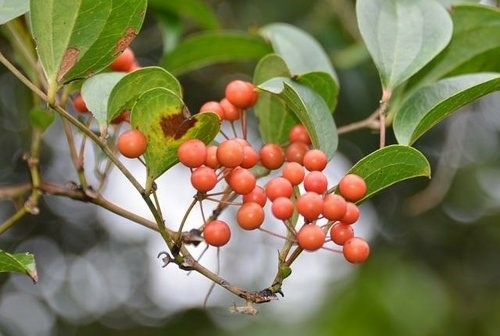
(232, 161)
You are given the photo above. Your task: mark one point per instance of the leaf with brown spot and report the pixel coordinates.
(78, 38)
(135, 83)
(162, 116)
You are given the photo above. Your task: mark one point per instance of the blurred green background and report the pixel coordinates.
(434, 267)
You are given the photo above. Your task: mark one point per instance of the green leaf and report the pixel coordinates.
(10, 9)
(449, 3)
(309, 108)
(275, 119)
(431, 104)
(323, 84)
(76, 39)
(301, 52)
(133, 84)
(389, 165)
(474, 47)
(96, 91)
(402, 35)
(41, 118)
(213, 47)
(19, 262)
(162, 116)
(195, 10)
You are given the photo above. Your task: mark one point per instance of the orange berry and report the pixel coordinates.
(250, 216)
(192, 153)
(217, 233)
(230, 153)
(311, 237)
(132, 143)
(272, 156)
(241, 94)
(356, 250)
(352, 187)
(213, 106)
(79, 103)
(125, 62)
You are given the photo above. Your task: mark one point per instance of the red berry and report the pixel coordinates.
(278, 187)
(309, 205)
(351, 214)
(352, 187)
(298, 133)
(272, 156)
(132, 143)
(282, 208)
(79, 103)
(192, 153)
(242, 180)
(213, 106)
(216, 233)
(241, 94)
(211, 160)
(296, 151)
(231, 112)
(250, 157)
(203, 179)
(230, 153)
(310, 237)
(315, 159)
(293, 172)
(316, 181)
(356, 250)
(257, 195)
(340, 233)
(250, 216)
(125, 62)
(334, 207)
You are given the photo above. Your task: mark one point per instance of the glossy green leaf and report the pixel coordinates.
(431, 104)
(162, 116)
(41, 118)
(10, 9)
(133, 84)
(474, 47)
(301, 52)
(213, 47)
(310, 109)
(76, 39)
(19, 262)
(196, 10)
(402, 35)
(390, 165)
(323, 84)
(275, 119)
(96, 91)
